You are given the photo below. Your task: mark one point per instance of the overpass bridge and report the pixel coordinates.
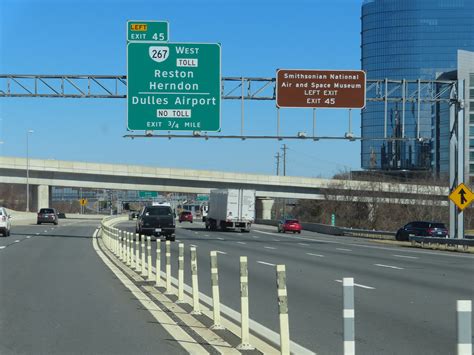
(43, 174)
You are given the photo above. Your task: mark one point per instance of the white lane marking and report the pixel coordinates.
(241, 243)
(389, 266)
(254, 236)
(221, 238)
(46, 231)
(273, 248)
(264, 263)
(195, 232)
(37, 234)
(221, 252)
(206, 235)
(343, 249)
(17, 241)
(322, 240)
(3, 247)
(321, 256)
(304, 244)
(28, 237)
(359, 285)
(405, 256)
(193, 245)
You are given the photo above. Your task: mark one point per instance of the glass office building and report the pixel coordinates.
(408, 39)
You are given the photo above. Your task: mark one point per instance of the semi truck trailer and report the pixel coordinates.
(231, 209)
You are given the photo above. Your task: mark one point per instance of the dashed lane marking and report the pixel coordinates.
(254, 236)
(17, 241)
(321, 256)
(359, 285)
(221, 238)
(343, 249)
(389, 266)
(221, 252)
(264, 263)
(273, 248)
(241, 243)
(28, 237)
(405, 256)
(3, 247)
(304, 244)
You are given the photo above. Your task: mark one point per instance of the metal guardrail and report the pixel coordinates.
(465, 243)
(368, 233)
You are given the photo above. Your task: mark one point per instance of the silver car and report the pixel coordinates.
(5, 222)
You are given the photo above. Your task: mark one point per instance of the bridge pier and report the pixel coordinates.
(264, 208)
(42, 196)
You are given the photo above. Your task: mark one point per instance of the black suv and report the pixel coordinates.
(157, 221)
(47, 215)
(422, 229)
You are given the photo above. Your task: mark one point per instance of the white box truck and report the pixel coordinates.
(231, 209)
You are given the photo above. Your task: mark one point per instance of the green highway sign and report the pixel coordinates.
(173, 86)
(147, 31)
(202, 198)
(147, 194)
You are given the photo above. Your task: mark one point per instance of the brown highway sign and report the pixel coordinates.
(320, 88)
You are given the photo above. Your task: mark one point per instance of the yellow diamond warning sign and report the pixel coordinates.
(83, 201)
(462, 196)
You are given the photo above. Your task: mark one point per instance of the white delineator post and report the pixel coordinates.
(244, 306)
(181, 273)
(137, 252)
(348, 313)
(132, 251)
(168, 267)
(283, 310)
(194, 280)
(120, 233)
(158, 262)
(142, 239)
(148, 248)
(464, 325)
(129, 249)
(215, 292)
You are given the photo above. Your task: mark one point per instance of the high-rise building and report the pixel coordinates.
(408, 39)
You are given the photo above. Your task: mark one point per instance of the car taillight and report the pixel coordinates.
(431, 230)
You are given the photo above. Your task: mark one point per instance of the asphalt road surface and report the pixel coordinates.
(405, 299)
(58, 297)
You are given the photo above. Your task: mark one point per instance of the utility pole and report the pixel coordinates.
(284, 148)
(278, 156)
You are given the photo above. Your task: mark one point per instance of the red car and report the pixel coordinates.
(289, 225)
(185, 216)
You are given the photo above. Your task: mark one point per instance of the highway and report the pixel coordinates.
(405, 299)
(59, 297)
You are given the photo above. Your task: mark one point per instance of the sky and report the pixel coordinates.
(256, 37)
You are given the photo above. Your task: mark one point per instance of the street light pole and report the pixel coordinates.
(28, 172)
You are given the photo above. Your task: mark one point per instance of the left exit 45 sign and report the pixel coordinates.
(147, 31)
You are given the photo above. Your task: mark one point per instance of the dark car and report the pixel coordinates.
(157, 221)
(132, 215)
(47, 215)
(289, 225)
(422, 229)
(185, 216)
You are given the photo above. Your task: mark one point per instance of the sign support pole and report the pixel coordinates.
(456, 157)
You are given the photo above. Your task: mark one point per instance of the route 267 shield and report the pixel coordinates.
(159, 53)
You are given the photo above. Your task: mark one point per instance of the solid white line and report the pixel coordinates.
(322, 239)
(3, 247)
(321, 256)
(270, 248)
(359, 285)
(241, 243)
(343, 249)
(389, 266)
(221, 252)
(304, 244)
(405, 256)
(264, 263)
